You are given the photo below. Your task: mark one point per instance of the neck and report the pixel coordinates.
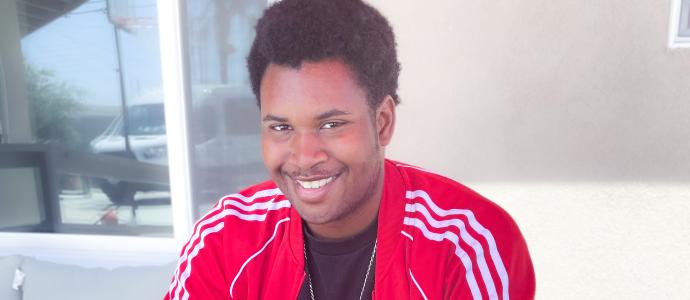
(328, 233)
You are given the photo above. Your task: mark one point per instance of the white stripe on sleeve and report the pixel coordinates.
(476, 226)
(419, 288)
(466, 237)
(453, 238)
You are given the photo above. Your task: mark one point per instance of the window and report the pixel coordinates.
(71, 72)
(90, 144)
(680, 24)
(223, 126)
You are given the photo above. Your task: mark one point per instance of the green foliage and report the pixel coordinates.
(53, 105)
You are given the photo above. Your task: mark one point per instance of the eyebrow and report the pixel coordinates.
(270, 117)
(331, 113)
(322, 116)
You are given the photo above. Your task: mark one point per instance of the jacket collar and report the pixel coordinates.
(391, 214)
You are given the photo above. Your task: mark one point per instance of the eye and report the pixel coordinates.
(280, 127)
(332, 124)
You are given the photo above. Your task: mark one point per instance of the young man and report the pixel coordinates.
(338, 220)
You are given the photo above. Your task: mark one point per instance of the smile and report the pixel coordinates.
(315, 184)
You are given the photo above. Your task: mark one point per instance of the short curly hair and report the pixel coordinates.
(293, 31)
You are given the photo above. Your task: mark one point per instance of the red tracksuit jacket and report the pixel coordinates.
(436, 240)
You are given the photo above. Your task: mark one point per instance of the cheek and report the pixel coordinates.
(270, 152)
(356, 147)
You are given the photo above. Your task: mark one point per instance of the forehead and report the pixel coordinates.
(318, 85)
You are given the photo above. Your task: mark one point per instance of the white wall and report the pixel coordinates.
(602, 240)
(573, 115)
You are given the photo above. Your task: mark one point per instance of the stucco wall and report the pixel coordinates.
(602, 240)
(573, 115)
(574, 90)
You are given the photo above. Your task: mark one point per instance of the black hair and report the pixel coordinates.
(293, 31)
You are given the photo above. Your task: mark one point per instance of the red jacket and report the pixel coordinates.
(437, 239)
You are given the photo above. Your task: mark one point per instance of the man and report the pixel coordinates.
(338, 220)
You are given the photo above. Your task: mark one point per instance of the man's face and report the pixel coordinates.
(322, 143)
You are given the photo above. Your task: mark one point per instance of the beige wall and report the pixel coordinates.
(574, 115)
(547, 90)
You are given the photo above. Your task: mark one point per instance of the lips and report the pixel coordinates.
(312, 189)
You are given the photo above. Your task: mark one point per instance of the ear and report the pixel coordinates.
(385, 120)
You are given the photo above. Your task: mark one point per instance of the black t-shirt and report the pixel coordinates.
(338, 268)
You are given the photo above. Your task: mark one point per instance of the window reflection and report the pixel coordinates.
(224, 126)
(72, 71)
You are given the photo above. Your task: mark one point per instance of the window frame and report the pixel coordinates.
(675, 39)
(114, 251)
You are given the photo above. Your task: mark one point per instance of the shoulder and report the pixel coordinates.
(225, 238)
(237, 225)
(257, 206)
(476, 239)
(443, 197)
(442, 208)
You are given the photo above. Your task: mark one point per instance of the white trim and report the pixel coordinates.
(674, 40)
(417, 285)
(450, 236)
(467, 238)
(90, 250)
(407, 235)
(175, 93)
(275, 231)
(217, 213)
(259, 194)
(188, 271)
(258, 206)
(255, 217)
(477, 227)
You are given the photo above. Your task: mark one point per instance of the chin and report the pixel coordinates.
(312, 215)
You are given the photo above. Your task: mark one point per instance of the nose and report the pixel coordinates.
(307, 150)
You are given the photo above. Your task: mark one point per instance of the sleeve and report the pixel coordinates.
(500, 262)
(200, 269)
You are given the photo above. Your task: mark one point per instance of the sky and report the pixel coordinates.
(80, 48)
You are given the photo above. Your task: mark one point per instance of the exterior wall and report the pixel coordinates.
(568, 90)
(595, 240)
(570, 114)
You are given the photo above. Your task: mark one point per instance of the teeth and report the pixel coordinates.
(316, 183)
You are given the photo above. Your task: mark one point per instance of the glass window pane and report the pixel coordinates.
(81, 106)
(224, 126)
(23, 199)
(684, 28)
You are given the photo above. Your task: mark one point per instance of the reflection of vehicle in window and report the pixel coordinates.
(145, 131)
(224, 132)
(225, 138)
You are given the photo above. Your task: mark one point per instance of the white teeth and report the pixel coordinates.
(316, 183)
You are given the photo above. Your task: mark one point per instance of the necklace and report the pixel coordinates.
(366, 276)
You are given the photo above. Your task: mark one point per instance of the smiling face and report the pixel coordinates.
(323, 144)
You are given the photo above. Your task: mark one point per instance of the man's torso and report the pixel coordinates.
(436, 239)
